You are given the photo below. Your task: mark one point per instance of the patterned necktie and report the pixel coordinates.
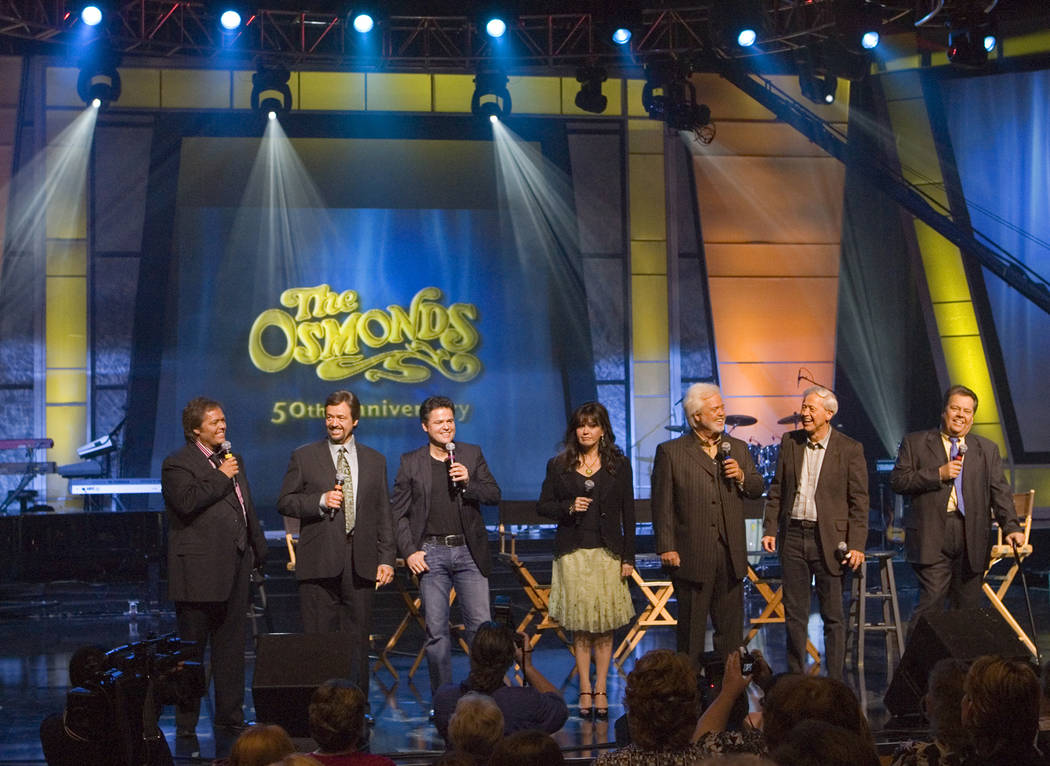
(953, 454)
(343, 466)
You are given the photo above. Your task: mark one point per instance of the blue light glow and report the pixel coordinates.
(230, 20)
(496, 28)
(91, 15)
(364, 23)
(621, 36)
(746, 38)
(990, 42)
(869, 40)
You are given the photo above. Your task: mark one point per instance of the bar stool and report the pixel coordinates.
(885, 591)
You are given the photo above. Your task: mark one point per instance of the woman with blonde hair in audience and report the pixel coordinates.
(476, 726)
(260, 746)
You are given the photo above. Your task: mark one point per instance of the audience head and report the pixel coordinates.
(476, 726)
(795, 698)
(491, 655)
(85, 664)
(1000, 707)
(337, 716)
(527, 748)
(661, 700)
(261, 746)
(819, 743)
(943, 703)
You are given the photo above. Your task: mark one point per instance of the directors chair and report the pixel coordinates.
(1024, 505)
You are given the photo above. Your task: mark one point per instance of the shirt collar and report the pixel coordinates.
(822, 444)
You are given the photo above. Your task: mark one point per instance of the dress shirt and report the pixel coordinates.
(805, 506)
(351, 459)
(236, 487)
(953, 501)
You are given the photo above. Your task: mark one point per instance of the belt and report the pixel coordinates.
(452, 541)
(803, 523)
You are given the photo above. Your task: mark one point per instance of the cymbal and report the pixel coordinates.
(794, 417)
(740, 420)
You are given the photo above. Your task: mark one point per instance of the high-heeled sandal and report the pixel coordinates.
(586, 711)
(601, 712)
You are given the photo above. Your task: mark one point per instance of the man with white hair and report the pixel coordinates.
(817, 516)
(698, 485)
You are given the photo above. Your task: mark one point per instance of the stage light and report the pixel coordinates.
(96, 102)
(621, 36)
(590, 98)
(670, 97)
(98, 79)
(91, 15)
(493, 119)
(619, 25)
(491, 97)
(869, 40)
(271, 116)
(990, 42)
(495, 28)
(230, 20)
(964, 50)
(270, 91)
(364, 23)
(746, 37)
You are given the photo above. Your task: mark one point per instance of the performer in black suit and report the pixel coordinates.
(214, 540)
(437, 499)
(818, 499)
(589, 491)
(698, 521)
(947, 537)
(346, 540)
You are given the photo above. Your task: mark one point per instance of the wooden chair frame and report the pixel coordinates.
(1024, 505)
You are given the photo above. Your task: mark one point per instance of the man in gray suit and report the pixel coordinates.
(818, 501)
(698, 485)
(337, 489)
(437, 499)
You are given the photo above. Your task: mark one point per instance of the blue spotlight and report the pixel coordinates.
(621, 36)
(746, 37)
(493, 119)
(869, 40)
(91, 15)
(990, 42)
(364, 23)
(230, 20)
(496, 28)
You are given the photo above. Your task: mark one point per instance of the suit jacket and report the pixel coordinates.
(985, 494)
(321, 550)
(841, 496)
(691, 500)
(615, 503)
(205, 524)
(411, 501)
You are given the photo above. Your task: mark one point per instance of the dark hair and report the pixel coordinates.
(593, 413)
(85, 664)
(819, 743)
(959, 391)
(1004, 705)
(943, 703)
(342, 396)
(193, 415)
(491, 654)
(661, 700)
(337, 715)
(527, 748)
(796, 698)
(432, 403)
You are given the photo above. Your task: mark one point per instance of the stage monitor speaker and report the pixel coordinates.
(964, 634)
(288, 667)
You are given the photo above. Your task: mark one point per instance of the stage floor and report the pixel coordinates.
(42, 624)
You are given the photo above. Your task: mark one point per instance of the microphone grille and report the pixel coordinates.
(340, 477)
(725, 446)
(450, 447)
(588, 485)
(226, 446)
(963, 448)
(842, 546)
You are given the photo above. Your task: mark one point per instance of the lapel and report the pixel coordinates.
(691, 446)
(831, 457)
(935, 447)
(423, 466)
(229, 498)
(798, 446)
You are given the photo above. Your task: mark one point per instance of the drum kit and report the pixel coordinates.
(764, 455)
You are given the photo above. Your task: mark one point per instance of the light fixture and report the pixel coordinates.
(619, 25)
(621, 35)
(495, 27)
(98, 79)
(91, 15)
(966, 47)
(670, 97)
(746, 37)
(363, 20)
(270, 91)
(590, 98)
(737, 23)
(869, 40)
(814, 80)
(230, 20)
(491, 97)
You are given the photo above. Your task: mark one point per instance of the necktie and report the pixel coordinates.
(343, 466)
(952, 455)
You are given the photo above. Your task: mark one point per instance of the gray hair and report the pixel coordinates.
(695, 395)
(831, 404)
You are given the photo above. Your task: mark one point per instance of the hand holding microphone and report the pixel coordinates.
(953, 467)
(229, 464)
(730, 468)
(848, 558)
(456, 471)
(333, 500)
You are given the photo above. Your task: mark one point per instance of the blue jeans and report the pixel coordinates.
(450, 568)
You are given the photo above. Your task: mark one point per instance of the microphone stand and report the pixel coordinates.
(1027, 600)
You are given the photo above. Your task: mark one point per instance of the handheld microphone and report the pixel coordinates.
(588, 486)
(227, 450)
(842, 554)
(725, 448)
(450, 448)
(340, 479)
(962, 451)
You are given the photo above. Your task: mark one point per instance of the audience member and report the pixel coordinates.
(476, 726)
(260, 746)
(661, 701)
(527, 748)
(795, 698)
(1000, 708)
(942, 705)
(723, 727)
(538, 706)
(818, 743)
(337, 724)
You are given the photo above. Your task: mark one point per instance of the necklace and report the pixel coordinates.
(590, 467)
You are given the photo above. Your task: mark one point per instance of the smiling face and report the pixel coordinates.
(212, 430)
(339, 423)
(440, 426)
(815, 417)
(711, 417)
(958, 415)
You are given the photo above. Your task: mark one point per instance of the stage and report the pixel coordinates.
(42, 623)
